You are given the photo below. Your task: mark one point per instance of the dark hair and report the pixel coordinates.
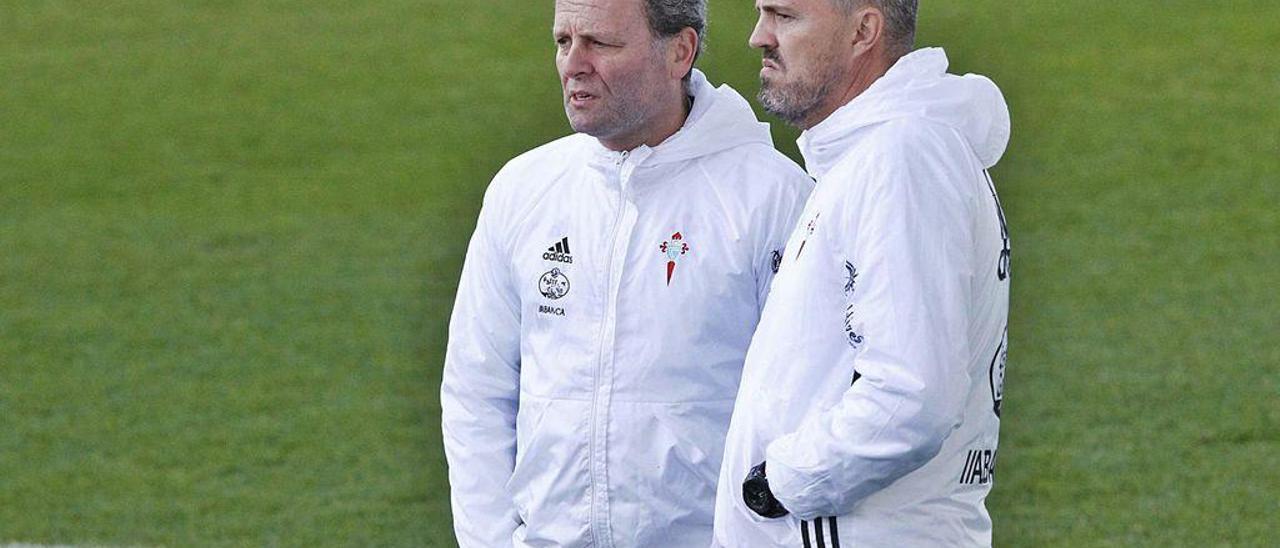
(668, 17)
(899, 22)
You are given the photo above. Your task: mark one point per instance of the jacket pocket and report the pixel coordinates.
(664, 466)
(550, 481)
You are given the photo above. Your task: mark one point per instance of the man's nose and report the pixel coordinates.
(575, 61)
(762, 37)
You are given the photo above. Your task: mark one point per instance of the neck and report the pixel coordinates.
(861, 78)
(663, 124)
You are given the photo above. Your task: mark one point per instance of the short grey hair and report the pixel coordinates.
(899, 22)
(668, 17)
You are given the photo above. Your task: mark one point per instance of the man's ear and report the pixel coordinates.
(681, 51)
(868, 28)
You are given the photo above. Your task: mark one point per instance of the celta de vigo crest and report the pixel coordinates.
(674, 249)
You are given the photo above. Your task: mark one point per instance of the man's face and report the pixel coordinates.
(612, 70)
(807, 55)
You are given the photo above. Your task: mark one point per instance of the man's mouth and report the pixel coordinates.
(580, 98)
(770, 60)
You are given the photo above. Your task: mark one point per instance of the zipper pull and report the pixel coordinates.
(622, 157)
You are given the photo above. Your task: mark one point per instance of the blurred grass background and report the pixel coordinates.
(230, 233)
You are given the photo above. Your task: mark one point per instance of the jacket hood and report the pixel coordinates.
(917, 86)
(720, 119)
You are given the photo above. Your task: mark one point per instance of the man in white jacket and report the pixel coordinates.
(609, 295)
(869, 409)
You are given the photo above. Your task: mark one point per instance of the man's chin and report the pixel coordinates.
(770, 100)
(771, 91)
(578, 121)
(778, 105)
(586, 127)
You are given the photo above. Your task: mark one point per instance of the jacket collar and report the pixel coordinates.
(719, 119)
(826, 143)
(916, 87)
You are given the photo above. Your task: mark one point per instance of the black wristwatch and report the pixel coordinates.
(756, 493)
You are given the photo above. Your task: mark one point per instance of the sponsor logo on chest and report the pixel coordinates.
(559, 252)
(554, 284)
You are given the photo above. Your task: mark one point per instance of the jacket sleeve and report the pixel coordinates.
(480, 391)
(905, 240)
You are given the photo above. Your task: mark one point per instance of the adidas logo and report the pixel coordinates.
(560, 252)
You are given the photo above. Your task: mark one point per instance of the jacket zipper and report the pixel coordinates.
(599, 474)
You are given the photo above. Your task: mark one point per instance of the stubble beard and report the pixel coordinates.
(617, 116)
(795, 102)
(626, 111)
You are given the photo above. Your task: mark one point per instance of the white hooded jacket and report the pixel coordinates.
(872, 388)
(597, 340)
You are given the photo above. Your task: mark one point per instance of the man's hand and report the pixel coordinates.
(756, 493)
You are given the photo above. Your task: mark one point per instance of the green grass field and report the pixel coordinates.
(230, 233)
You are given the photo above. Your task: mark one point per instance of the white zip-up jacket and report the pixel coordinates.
(605, 309)
(872, 388)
